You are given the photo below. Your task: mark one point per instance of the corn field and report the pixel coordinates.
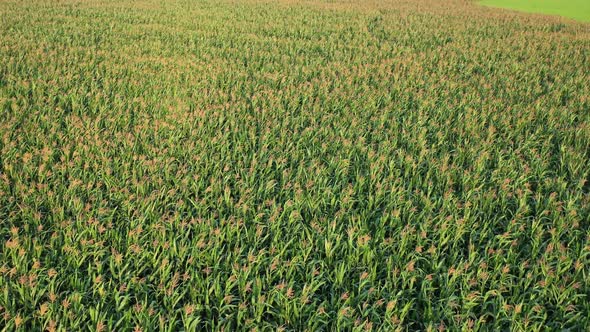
(292, 165)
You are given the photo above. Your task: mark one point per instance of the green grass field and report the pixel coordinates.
(292, 165)
(575, 9)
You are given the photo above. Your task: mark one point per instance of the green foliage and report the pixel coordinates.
(576, 9)
(297, 165)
